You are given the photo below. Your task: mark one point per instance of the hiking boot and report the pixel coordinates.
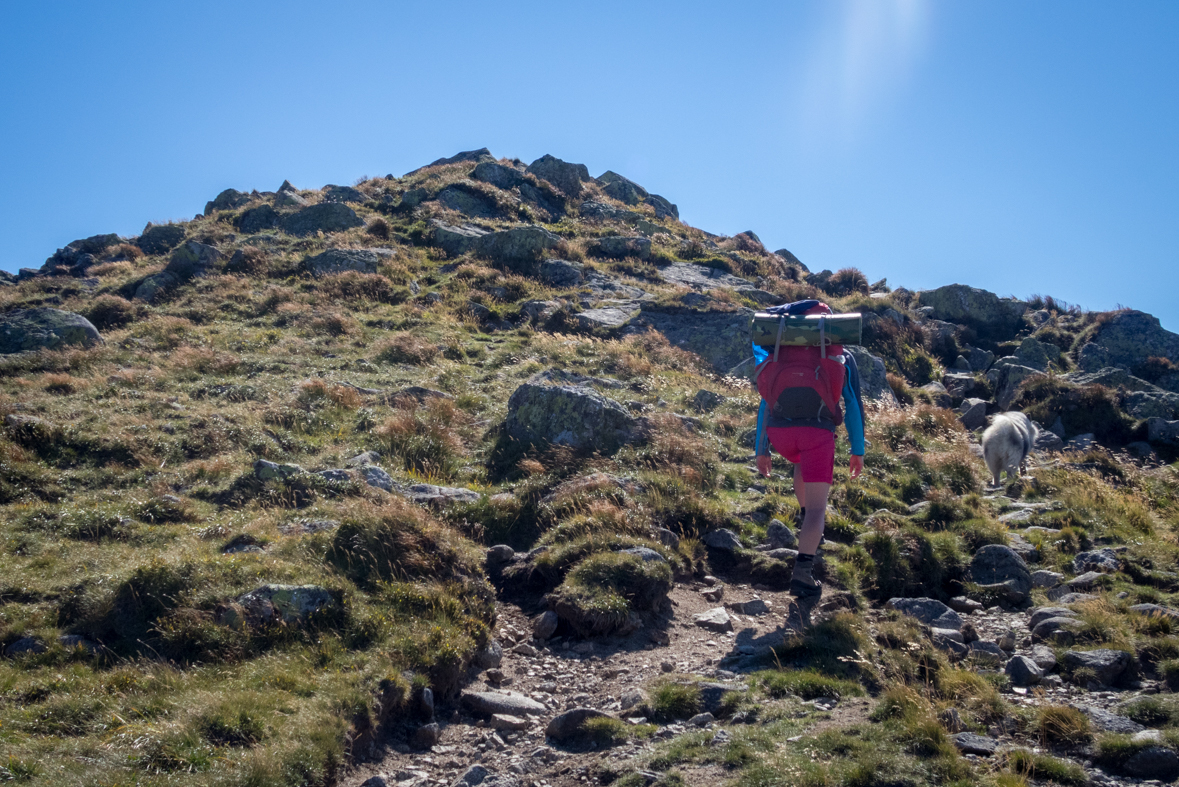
(805, 590)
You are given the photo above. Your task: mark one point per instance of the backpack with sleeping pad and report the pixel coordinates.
(802, 366)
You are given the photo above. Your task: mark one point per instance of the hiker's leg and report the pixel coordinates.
(816, 511)
(800, 493)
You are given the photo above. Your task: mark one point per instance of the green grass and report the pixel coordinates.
(807, 684)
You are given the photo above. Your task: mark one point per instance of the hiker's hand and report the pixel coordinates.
(856, 465)
(763, 466)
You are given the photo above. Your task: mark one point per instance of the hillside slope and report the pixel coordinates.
(280, 485)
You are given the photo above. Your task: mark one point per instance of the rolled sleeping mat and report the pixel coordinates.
(769, 330)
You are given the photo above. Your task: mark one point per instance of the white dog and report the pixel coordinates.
(1007, 442)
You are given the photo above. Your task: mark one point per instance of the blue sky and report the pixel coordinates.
(1020, 147)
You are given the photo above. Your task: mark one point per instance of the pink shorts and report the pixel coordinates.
(809, 447)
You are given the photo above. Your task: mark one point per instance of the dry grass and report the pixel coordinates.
(406, 347)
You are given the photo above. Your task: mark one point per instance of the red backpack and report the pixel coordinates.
(804, 383)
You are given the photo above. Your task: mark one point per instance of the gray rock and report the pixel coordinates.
(714, 620)
(984, 311)
(1006, 378)
(466, 198)
(620, 247)
(630, 698)
(701, 720)
(427, 735)
(1153, 762)
(622, 189)
(1081, 442)
(569, 724)
(502, 721)
(929, 611)
(546, 409)
(498, 175)
(226, 200)
(937, 394)
(75, 642)
(1155, 610)
(723, 539)
(987, 652)
(753, 608)
(160, 238)
(605, 319)
(25, 646)
(873, 377)
(343, 194)
(646, 554)
(500, 553)
(721, 338)
(25, 330)
(506, 702)
(289, 199)
(491, 656)
(1159, 430)
(1126, 341)
(971, 743)
(376, 476)
(952, 720)
(336, 476)
(1085, 581)
(269, 471)
(258, 219)
(544, 626)
(1036, 354)
(326, 217)
(1069, 598)
(340, 260)
(288, 604)
(1105, 721)
(189, 261)
(426, 703)
(429, 494)
(980, 360)
(667, 538)
(712, 694)
(964, 605)
(563, 175)
(701, 277)
(476, 774)
(1148, 404)
(1103, 560)
(1048, 441)
(561, 273)
(779, 536)
(1108, 665)
(363, 458)
(973, 414)
(513, 247)
(1044, 658)
(707, 401)
(998, 567)
(1061, 630)
(480, 155)
(1046, 579)
(1022, 671)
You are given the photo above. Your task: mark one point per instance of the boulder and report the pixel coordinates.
(720, 337)
(288, 604)
(998, 567)
(1155, 610)
(1148, 404)
(1057, 630)
(753, 608)
(226, 200)
(502, 721)
(325, 217)
(706, 401)
(1046, 579)
(76, 257)
(544, 626)
(714, 620)
(189, 261)
(480, 155)
(491, 656)
(664, 208)
(258, 219)
(667, 538)
(873, 377)
(1022, 671)
(377, 477)
(620, 246)
(510, 703)
(1101, 560)
(427, 735)
(498, 175)
(995, 317)
(25, 646)
(604, 319)
(987, 652)
(469, 200)
(265, 470)
(547, 409)
(929, 611)
(1006, 377)
(622, 189)
(1107, 665)
(972, 413)
(1044, 613)
(568, 724)
(1153, 762)
(937, 394)
(513, 247)
(1126, 340)
(722, 539)
(561, 273)
(1048, 441)
(500, 553)
(779, 536)
(160, 238)
(340, 260)
(24, 330)
(1159, 430)
(1105, 721)
(1036, 354)
(972, 743)
(646, 554)
(343, 194)
(429, 494)
(564, 176)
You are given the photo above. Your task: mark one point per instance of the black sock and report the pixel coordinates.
(802, 513)
(805, 558)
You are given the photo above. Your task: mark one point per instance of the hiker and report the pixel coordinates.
(803, 386)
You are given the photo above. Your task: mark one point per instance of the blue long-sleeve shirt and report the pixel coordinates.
(853, 417)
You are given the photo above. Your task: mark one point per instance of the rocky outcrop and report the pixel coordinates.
(513, 247)
(340, 260)
(160, 238)
(719, 337)
(995, 317)
(79, 255)
(291, 605)
(25, 330)
(563, 175)
(1126, 340)
(874, 385)
(1000, 568)
(325, 217)
(562, 410)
